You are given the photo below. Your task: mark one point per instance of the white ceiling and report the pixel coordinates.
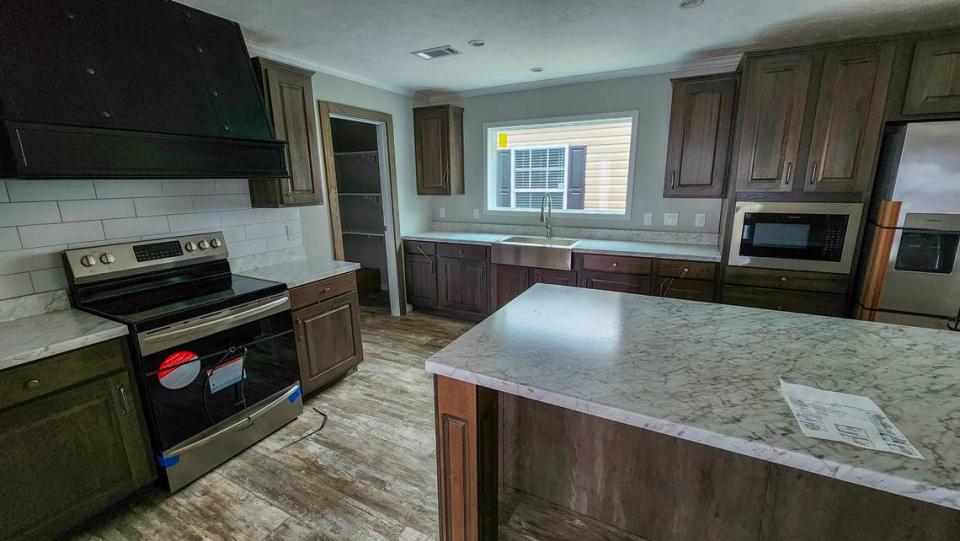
(371, 41)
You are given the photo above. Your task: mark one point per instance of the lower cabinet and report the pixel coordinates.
(511, 282)
(555, 277)
(608, 281)
(75, 448)
(421, 279)
(806, 302)
(452, 279)
(327, 328)
(462, 285)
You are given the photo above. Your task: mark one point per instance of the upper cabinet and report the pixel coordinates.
(288, 93)
(772, 120)
(698, 145)
(838, 138)
(438, 136)
(934, 85)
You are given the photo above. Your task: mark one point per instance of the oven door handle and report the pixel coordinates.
(153, 341)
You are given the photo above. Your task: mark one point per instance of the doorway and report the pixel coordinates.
(361, 184)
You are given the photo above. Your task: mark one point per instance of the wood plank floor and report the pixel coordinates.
(369, 473)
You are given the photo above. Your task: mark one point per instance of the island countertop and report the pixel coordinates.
(709, 373)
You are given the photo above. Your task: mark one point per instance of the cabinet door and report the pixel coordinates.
(700, 118)
(934, 85)
(555, 277)
(691, 290)
(290, 94)
(772, 122)
(462, 285)
(805, 302)
(849, 118)
(511, 282)
(432, 140)
(70, 455)
(328, 340)
(421, 273)
(608, 281)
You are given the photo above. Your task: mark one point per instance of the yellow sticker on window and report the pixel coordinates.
(502, 139)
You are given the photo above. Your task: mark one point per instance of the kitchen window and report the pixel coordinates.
(582, 164)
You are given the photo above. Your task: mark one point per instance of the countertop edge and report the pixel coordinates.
(63, 346)
(301, 279)
(867, 478)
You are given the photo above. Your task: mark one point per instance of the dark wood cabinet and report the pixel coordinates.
(555, 277)
(288, 92)
(689, 280)
(511, 281)
(73, 441)
(698, 145)
(438, 138)
(462, 285)
(934, 85)
(609, 281)
(771, 123)
(805, 302)
(421, 279)
(849, 118)
(326, 322)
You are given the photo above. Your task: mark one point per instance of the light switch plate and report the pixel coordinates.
(647, 218)
(293, 233)
(671, 218)
(700, 220)
(441, 212)
(476, 214)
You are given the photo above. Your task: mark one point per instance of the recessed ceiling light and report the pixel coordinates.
(476, 42)
(435, 52)
(536, 69)
(688, 4)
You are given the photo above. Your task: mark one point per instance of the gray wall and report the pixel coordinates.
(649, 94)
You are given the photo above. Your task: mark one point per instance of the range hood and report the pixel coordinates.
(129, 89)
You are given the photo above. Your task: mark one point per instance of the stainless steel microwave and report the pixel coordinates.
(819, 237)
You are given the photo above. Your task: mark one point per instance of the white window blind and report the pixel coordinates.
(539, 171)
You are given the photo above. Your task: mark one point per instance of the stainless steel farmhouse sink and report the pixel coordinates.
(539, 252)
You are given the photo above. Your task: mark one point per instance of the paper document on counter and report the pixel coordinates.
(852, 419)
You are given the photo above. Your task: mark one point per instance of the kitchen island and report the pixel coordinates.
(664, 418)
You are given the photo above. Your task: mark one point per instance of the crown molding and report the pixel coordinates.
(273, 53)
(707, 66)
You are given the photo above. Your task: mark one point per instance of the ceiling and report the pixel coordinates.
(370, 41)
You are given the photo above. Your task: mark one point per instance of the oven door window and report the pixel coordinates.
(816, 237)
(193, 386)
(925, 251)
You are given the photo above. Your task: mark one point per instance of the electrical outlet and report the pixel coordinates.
(671, 218)
(476, 214)
(441, 213)
(293, 232)
(647, 218)
(700, 220)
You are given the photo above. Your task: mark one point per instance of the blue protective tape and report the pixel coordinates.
(296, 394)
(166, 462)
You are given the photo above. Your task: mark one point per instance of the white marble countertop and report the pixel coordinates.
(709, 373)
(300, 272)
(31, 338)
(663, 250)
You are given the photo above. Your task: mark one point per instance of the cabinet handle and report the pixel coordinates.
(123, 399)
(813, 173)
(523, 280)
(673, 179)
(326, 289)
(789, 173)
(32, 384)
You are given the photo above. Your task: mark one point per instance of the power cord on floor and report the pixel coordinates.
(308, 434)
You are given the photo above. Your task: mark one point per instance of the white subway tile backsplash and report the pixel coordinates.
(220, 202)
(188, 187)
(9, 239)
(274, 215)
(3, 192)
(32, 259)
(96, 209)
(264, 230)
(34, 236)
(135, 227)
(113, 188)
(241, 217)
(49, 190)
(162, 206)
(28, 213)
(233, 185)
(233, 234)
(188, 222)
(280, 243)
(121, 240)
(48, 280)
(15, 285)
(247, 247)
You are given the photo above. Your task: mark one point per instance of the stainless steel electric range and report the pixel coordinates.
(214, 352)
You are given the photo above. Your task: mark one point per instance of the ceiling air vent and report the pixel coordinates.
(436, 52)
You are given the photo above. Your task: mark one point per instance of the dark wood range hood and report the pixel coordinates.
(129, 89)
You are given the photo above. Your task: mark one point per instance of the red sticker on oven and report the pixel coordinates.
(179, 369)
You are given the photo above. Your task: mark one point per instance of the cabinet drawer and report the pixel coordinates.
(823, 304)
(692, 270)
(322, 290)
(419, 248)
(691, 290)
(45, 376)
(783, 279)
(608, 281)
(614, 263)
(462, 251)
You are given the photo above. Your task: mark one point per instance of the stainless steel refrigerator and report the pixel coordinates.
(911, 274)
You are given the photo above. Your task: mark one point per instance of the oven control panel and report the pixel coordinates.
(101, 262)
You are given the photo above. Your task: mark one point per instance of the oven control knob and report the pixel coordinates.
(215, 243)
(88, 261)
(203, 245)
(106, 259)
(190, 246)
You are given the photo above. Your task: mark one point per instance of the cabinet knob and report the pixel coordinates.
(779, 307)
(783, 278)
(326, 289)
(613, 265)
(686, 269)
(32, 384)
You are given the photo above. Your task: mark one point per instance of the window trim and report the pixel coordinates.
(581, 216)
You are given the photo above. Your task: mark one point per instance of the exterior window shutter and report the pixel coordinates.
(503, 178)
(576, 177)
